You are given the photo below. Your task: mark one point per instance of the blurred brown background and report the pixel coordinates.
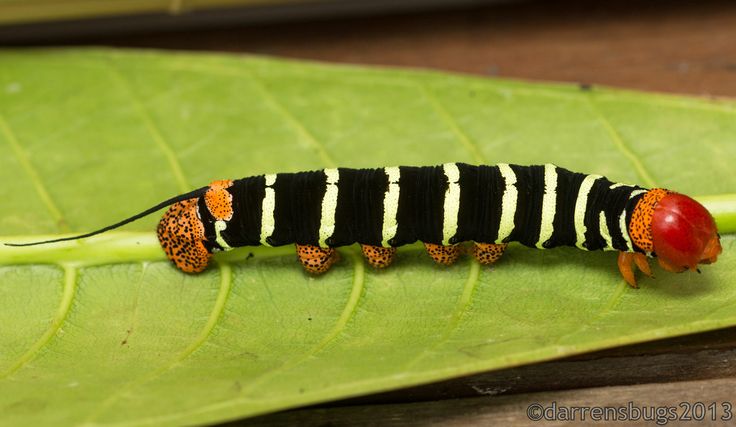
(672, 46)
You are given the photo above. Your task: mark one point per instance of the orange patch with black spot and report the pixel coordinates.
(378, 256)
(181, 234)
(219, 201)
(640, 227)
(488, 253)
(445, 255)
(316, 260)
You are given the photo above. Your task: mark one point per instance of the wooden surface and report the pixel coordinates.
(672, 46)
(666, 373)
(512, 410)
(681, 47)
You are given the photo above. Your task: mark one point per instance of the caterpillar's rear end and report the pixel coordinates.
(181, 234)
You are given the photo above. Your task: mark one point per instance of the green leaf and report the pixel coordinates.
(107, 332)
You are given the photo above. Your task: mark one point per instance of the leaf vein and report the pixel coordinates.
(226, 280)
(161, 142)
(463, 305)
(136, 301)
(452, 123)
(32, 174)
(67, 299)
(613, 301)
(298, 126)
(347, 313)
(620, 145)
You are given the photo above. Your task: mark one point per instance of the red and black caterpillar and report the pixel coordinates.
(541, 206)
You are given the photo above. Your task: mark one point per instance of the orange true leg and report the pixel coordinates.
(445, 255)
(626, 261)
(641, 261)
(626, 267)
(316, 260)
(488, 253)
(378, 256)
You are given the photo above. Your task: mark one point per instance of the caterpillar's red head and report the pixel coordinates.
(684, 233)
(678, 229)
(181, 234)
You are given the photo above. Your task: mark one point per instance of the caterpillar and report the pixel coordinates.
(539, 206)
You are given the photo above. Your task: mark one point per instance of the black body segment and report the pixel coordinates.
(587, 209)
(420, 205)
(480, 203)
(568, 184)
(596, 203)
(359, 213)
(247, 200)
(528, 217)
(298, 207)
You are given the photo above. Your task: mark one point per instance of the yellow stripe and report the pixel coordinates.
(390, 205)
(622, 222)
(329, 206)
(549, 204)
(221, 226)
(508, 203)
(268, 221)
(452, 202)
(605, 233)
(581, 206)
